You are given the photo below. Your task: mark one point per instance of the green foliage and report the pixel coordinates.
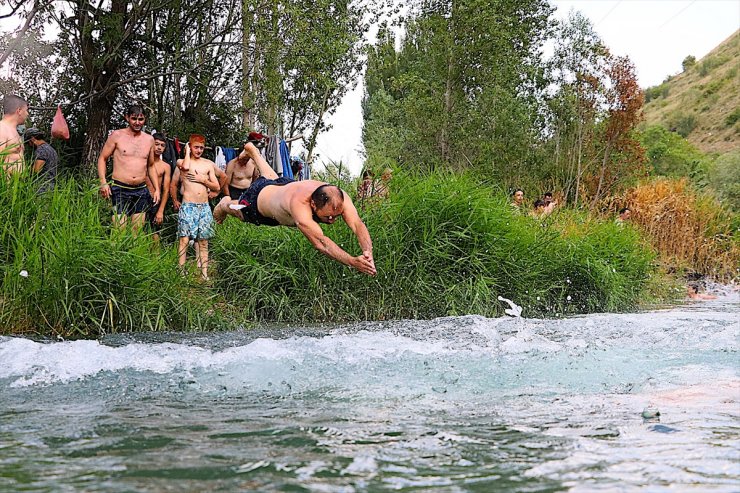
(713, 87)
(451, 248)
(733, 117)
(725, 179)
(83, 279)
(669, 154)
(682, 123)
(709, 63)
(462, 90)
(688, 62)
(655, 92)
(443, 244)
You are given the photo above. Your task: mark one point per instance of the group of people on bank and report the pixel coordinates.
(545, 205)
(141, 184)
(542, 207)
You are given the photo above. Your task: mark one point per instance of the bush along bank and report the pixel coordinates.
(66, 272)
(443, 245)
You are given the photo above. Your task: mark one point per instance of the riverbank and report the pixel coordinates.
(443, 246)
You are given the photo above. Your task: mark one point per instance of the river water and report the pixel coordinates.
(450, 405)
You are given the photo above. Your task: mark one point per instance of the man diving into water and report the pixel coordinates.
(274, 201)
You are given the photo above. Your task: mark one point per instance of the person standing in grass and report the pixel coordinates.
(240, 172)
(195, 221)
(45, 159)
(15, 112)
(517, 200)
(133, 165)
(624, 215)
(273, 201)
(162, 171)
(176, 190)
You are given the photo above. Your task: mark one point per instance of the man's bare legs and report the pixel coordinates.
(136, 221)
(182, 251)
(201, 255)
(203, 258)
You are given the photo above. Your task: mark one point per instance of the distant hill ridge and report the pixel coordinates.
(703, 102)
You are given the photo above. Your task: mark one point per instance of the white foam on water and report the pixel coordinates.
(33, 363)
(445, 352)
(526, 341)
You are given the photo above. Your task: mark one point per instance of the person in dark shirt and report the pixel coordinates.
(46, 159)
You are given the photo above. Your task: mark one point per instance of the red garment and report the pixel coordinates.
(177, 147)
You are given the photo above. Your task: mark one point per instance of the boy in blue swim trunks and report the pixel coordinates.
(195, 221)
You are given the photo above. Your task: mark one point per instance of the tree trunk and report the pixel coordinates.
(247, 98)
(444, 137)
(100, 79)
(98, 115)
(602, 172)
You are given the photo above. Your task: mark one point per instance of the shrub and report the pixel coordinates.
(669, 154)
(683, 124)
(732, 118)
(725, 179)
(688, 229)
(443, 246)
(688, 62)
(83, 279)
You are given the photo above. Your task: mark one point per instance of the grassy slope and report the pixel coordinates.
(708, 91)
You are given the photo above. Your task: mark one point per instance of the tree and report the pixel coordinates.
(462, 92)
(212, 66)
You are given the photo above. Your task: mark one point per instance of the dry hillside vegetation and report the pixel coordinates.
(702, 103)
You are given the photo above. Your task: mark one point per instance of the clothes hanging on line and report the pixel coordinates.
(285, 159)
(220, 159)
(229, 153)
(272, 154)
(169, 155)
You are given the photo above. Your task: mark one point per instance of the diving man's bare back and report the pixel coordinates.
(292, 204)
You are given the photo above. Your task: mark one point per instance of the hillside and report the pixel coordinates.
(702, 103)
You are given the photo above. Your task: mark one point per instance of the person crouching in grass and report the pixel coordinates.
(195, 220)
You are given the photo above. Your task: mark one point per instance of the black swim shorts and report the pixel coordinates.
(130, 199)
(250, 213)
(236, 193)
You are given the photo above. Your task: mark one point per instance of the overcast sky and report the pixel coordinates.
(656, 34)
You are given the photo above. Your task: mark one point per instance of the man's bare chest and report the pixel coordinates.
(128, 149)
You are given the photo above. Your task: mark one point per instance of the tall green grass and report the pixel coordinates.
(66, 272)
(443, 245)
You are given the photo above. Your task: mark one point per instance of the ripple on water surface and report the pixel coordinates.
(452, 404)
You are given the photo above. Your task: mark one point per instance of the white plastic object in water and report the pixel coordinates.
(514, 310)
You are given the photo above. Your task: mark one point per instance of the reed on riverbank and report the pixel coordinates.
(66, 272)
(690, 229)
(443, 245)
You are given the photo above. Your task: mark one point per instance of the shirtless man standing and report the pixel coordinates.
(133, 164)
(304, 204)
(162, 169)
(240, 172)
(15, 112)
(196, 220)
